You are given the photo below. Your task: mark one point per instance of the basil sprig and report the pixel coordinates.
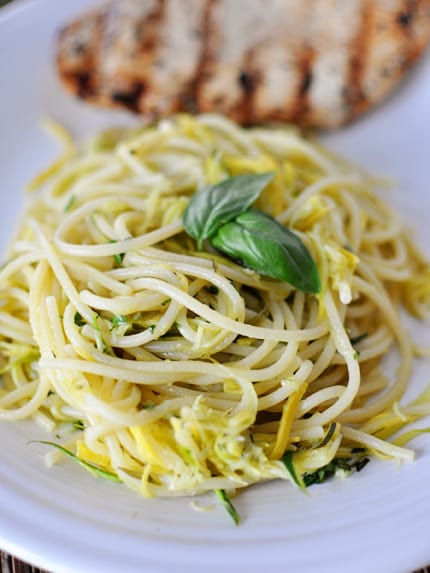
(217, 204)
(221, 213)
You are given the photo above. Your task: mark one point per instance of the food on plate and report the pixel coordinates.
(320, 63)
(194, 306)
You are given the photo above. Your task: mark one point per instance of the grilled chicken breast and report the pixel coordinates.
(319, 63)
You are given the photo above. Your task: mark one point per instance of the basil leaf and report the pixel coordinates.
(212, 206)
(260, 243)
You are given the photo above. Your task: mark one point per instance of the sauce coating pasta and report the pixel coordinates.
(178, 371)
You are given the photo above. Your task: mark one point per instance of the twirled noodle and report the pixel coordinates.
(181, 371)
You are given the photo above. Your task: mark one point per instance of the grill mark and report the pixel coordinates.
(149, 28)
(146, 33)
(129, 98)
(190, 101)
(84, 84)
(97, 52)
(305, 60)
(354, 96)
(405, 20)
(89, 86)
(249, 80)
(405, 17)
(81, 77)
(246, 82)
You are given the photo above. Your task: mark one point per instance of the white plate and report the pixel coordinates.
(65, 520)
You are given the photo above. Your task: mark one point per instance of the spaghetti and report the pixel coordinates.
(179, 371)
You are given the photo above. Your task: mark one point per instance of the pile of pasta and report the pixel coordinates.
(178, 371)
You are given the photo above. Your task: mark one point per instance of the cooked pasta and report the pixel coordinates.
(179, 371)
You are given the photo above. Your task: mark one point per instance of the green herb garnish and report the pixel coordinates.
(328, 435)
(212, 289)
(359, 464)
(260, 243)
(221, 214)
(215, 205)
(118, 257)
(78, 319)
(323, 474)
(118, 320)
(100, 341)
(346, 464)
(225, 501)
(146, 406)
(70, 203)
(287, 460)
(94, 469)
(359, 338)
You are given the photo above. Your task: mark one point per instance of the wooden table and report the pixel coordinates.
(9, 564)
